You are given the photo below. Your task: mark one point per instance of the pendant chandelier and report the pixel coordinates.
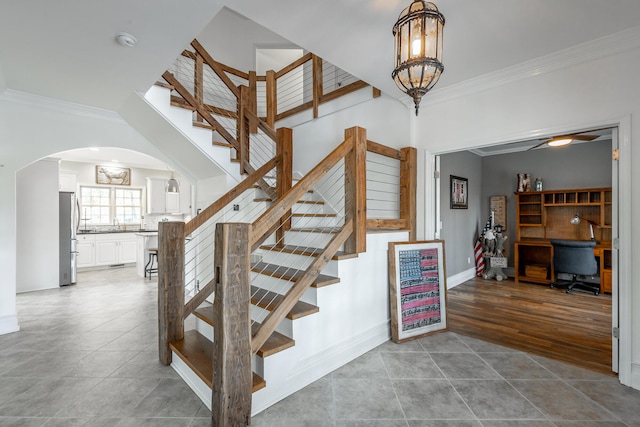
(418, 49)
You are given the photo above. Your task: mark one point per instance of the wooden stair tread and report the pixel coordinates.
(176, 101)
(274, 188)
(221, 144)
(291, 274)
(197, 352)
(269, 300)
(314, 215)
(302, 202)
(307, 251)
(274, 344)
(329, 230)
(203, 125)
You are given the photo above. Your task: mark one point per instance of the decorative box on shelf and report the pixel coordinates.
(536, 271)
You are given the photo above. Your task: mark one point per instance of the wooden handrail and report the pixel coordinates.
(295, 64)
(272, 320)
(215, 66)
(263, 224)
(383, 150)
(184, 93)
(229, 196)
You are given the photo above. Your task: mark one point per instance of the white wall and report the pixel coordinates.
(37, 226)
(592, 86)
(59, 127)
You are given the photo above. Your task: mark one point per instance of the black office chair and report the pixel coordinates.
(575, 257)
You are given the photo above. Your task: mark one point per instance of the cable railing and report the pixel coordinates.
(234, 241)
(391, 188)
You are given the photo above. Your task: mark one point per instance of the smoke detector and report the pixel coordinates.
(126, 39)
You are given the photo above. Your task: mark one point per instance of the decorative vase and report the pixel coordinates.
(538, 184)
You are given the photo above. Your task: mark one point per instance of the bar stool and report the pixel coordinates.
(153, 259)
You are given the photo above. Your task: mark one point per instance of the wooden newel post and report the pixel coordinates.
(355, 165)
(408, 188)
(284, 176)
(243, 128)
(170, 286)
(232, 373)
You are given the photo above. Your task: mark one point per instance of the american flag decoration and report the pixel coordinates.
(477, 252)
(477, 249)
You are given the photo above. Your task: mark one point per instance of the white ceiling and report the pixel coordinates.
(65, 49)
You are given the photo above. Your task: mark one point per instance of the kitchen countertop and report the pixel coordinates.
(117, 231)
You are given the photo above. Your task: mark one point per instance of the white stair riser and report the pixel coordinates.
(300, 262)
(285, 327)
(307, 238)
(281, 286)
(314, 222)
(307, 208)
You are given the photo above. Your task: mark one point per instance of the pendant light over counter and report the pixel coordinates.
(418, 49)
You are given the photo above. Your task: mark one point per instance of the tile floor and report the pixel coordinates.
(86, 355)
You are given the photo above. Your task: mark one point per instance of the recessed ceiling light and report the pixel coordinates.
(126, 39)
(94, 149)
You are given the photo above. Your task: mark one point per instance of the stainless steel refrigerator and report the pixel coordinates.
(69, 222)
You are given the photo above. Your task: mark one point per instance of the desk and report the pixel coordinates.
(539, 252)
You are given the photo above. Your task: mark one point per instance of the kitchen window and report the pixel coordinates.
(108, 205)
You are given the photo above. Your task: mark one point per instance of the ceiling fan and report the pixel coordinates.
(562, 140)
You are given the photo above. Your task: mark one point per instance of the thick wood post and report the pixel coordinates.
(317, 83)
(232, 374)
(170, 286)
(272, 99)
(355, 183)
(408, 188)
(253, 100)
(198, 83)
(243, 129)
(284, 176)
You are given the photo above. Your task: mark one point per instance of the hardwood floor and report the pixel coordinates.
(573, 328)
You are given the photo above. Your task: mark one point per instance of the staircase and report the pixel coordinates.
(309, 253)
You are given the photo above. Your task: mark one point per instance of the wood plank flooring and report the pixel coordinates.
(572, 328)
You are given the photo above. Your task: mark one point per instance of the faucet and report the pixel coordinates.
(116, 224)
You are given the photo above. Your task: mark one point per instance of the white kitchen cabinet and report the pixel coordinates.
(185, 198)
(86, 251)
(115, 248)
(67, 182)
(161, 202)
(172, 202)
(156, 199)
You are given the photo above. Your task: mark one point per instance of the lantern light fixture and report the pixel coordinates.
(418, 49)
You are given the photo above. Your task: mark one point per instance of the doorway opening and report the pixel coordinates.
(492, 171)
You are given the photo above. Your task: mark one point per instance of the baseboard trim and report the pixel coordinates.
(457, 279)
(635, 376)
(9, 324)
(192, 379)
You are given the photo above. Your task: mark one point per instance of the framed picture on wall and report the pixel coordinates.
(459, 188)
(417, 289)
(113, 175)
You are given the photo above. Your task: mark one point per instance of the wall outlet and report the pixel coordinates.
(236, 207)
(468, 260)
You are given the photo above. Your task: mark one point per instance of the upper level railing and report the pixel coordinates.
(202, 255)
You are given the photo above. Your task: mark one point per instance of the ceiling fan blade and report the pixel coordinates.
(585, 137)
(538, 145)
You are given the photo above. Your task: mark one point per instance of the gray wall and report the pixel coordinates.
(586, 165)
(460, 226)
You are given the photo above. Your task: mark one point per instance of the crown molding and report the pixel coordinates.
(597, 49)
(58, 105)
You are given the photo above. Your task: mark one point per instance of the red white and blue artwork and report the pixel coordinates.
(419, 288)
(417, 282)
